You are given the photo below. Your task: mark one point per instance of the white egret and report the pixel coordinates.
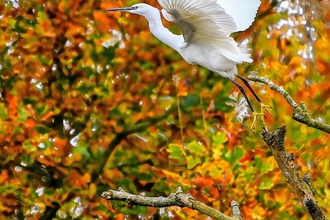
(206, 26)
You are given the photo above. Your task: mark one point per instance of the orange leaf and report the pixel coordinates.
(13, 104)
(3, 176)
(63, 146)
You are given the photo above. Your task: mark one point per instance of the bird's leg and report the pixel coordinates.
(244, 94)
(267, 108)
(249, 87)
(255, 114)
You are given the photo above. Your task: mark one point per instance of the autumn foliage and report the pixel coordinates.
(90, 101)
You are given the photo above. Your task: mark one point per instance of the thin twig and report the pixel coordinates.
(301, 115)
(174, 199)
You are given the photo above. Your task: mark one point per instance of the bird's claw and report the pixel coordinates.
(255, 121)
(267, 108)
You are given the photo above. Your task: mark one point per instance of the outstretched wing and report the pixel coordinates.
(198, 19)
(242, 11)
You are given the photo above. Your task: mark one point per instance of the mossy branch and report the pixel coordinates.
(301, 114)
(174, 199)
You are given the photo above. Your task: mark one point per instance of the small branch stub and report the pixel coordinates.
(235, 209)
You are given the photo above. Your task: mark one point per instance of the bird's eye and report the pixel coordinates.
(135, 7)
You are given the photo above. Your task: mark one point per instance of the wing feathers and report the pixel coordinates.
(198, 19)
(211, 22)
(242, 11)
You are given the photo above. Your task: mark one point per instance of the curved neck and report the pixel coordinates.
(163, 34)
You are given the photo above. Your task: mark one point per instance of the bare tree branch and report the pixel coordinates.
(174, 199)
(301, 186)
(301, 115)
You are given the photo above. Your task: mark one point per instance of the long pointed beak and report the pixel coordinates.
(120, 9)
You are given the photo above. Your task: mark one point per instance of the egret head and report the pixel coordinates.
(140, 9)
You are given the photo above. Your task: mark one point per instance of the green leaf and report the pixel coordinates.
(220, 139)
(176, 154)
(263, 166)
(109, 53)
(18, 28)
(234, 155)
(3, 111)
(23, 114)
(191, 100)
(161, 187)
(41, 129)
(196, 149)
(44, 60)
(193, 161)
(85, 88)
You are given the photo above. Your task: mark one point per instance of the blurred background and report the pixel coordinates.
(91, 101)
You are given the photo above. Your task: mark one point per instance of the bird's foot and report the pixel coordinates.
(255, 121)
(267, 108)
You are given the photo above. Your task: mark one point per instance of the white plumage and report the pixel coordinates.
(206, 26)
(243, 12)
